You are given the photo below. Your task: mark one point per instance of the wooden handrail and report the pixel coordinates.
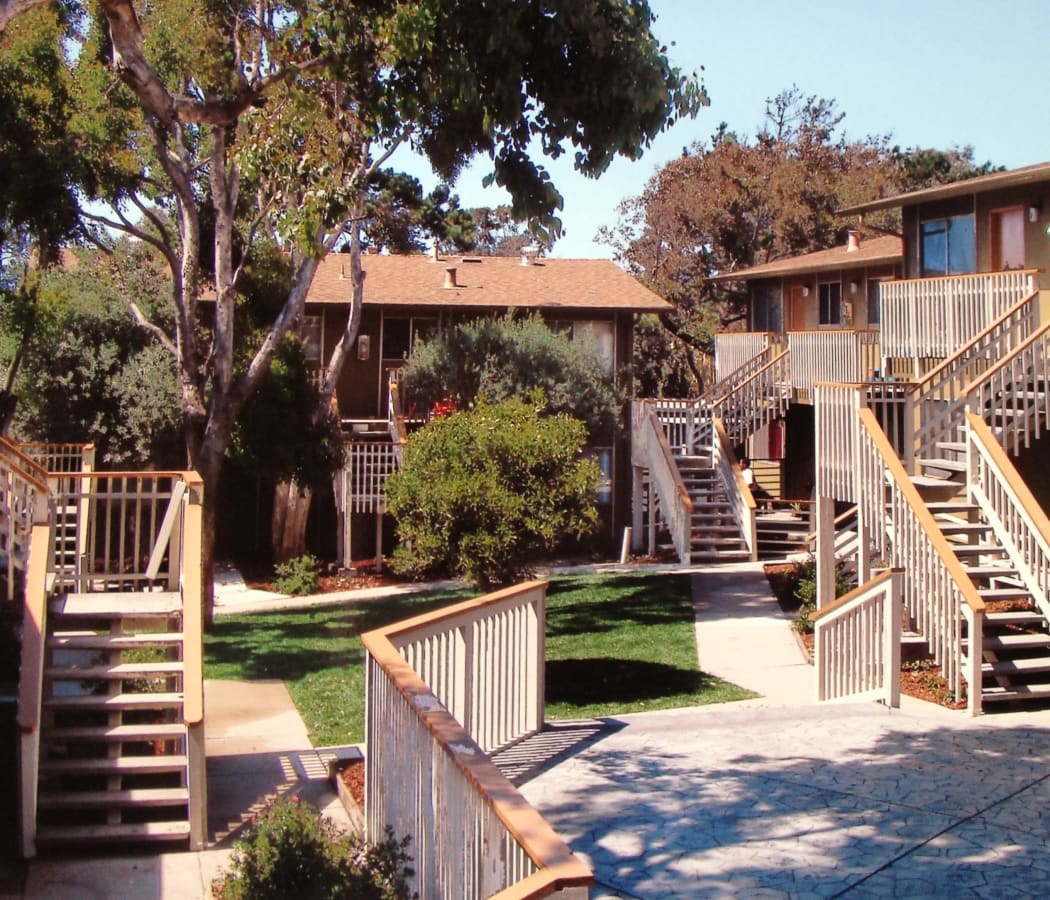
(192, 599)
(557, 867)
(27, 467)
(938, 541)
(860, 589)
(937, 371)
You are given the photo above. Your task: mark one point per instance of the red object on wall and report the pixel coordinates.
(776, 439)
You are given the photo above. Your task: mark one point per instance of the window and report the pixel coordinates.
(767, 309)
(948, 246)
(830, 302)
(600, 337)
(874, 307)
(400, 335)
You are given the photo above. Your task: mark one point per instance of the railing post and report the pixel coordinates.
(825, 517)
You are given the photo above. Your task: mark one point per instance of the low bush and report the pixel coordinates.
(298, 576)
(291, 851)
(806, 591)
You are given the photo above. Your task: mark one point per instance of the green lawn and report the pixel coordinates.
(615, 644)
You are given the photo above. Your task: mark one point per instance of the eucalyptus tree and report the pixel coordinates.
(210, 125)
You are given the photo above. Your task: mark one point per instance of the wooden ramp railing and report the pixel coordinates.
(24, 502)
(651, 449)
(428, 775)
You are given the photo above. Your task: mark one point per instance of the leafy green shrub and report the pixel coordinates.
(298, 576)
(806, 591)
(486, 492)
(291, 851)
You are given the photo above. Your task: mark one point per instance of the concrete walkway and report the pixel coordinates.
(778, 797)
(772, 797)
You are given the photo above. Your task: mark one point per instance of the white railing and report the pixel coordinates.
(367, 467)
(933, 317)
(756, 402)
(940, 396)
(473, 834)
(686, 423)
(651, 450)
(835, 416)
(844, 356)
(1018, 520)
(738, 493)
(60, 458)
(735, 350)
(857, 643)
(1013, 396)
(741, 373)
(129, 539)
(938, 594)
(485, 663)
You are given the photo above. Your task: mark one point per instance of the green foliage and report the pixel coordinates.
(291, 851)
(805, 591)
(298, 576)
(485, 493)
(89, 373)
(503, 358)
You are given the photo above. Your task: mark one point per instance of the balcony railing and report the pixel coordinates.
(926, 318)
(816, 356)
(735, 350)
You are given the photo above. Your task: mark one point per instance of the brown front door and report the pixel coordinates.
(796, 310)
(1007, 239)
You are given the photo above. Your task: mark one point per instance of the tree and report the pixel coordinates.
(498, 234)
(486, 492)
(735, 202)
(503, 358)
(241, 120)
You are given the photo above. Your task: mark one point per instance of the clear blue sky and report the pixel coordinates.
(930, 73)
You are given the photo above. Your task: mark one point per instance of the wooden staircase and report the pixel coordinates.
(113, 759)
(715, 533)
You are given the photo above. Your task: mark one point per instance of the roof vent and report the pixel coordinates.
(853, 245)
(434, 253)
(450, 277)
(528, 254)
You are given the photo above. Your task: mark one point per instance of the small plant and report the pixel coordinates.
(291, 851)
(806, 591)
(298, 576)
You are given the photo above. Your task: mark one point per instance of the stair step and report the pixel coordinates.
(957, 507)
(116, 765)
(1001, 593)
(947, 465)
(133, 797)
(1024, 617)
(115, 671)
(90, 640)
(116, 701)
(117, 604)
(960, 549)
(1029, 666)
(990, 571)
(1015, 641)
(142, 831)
(144, 732)
(949, 527)
(951, 446)
(1000, 694)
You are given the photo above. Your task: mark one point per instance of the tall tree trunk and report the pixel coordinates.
(291, 508)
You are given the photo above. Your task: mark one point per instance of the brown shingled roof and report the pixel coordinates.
(872, 251)
(487, 282)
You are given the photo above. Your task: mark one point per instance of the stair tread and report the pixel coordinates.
(114, 701)
(132, 797)
(1018, 666)
(89, 640)
(117, 603)
(990, 571)
(1015, 641)
(135, 831)
(116, 764)
(117, 670)
(1018, 593)
(1015, 617)
(998, 693)
(141, 732)
(950, 465)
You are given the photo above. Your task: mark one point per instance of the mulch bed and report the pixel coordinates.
(921, 679)
(352, 774)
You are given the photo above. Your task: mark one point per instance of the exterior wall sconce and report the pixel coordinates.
(1033, 213)
(364, 347)
(805, 292)
(854, 286)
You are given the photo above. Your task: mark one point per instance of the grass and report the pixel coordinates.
(615, 644)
